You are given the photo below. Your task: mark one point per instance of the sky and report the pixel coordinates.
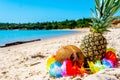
(24, 11)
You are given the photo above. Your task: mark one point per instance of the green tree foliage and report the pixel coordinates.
(67, 24)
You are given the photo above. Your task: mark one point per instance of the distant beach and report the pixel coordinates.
(28, 61)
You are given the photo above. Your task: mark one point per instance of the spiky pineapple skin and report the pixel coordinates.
(94, 46)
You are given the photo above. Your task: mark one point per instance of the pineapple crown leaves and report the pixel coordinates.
(103, 14)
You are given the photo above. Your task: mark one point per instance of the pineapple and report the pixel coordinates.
(94, 44)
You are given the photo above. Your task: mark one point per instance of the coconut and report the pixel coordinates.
(70, 52)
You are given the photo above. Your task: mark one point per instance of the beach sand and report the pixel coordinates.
(28, 61)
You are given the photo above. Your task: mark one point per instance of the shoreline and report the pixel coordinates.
(39, 39)
(28, 61)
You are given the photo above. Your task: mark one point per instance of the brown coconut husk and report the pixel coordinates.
(70, 52)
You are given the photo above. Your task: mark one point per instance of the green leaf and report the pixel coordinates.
(94, 14)
(107, 3)
(97, 3)
(111, 3)
(114, 10)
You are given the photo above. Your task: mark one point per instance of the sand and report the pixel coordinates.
(28, 61)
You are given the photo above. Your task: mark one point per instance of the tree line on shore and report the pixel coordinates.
(67, 24)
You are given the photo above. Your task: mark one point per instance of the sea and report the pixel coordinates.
(11, 36)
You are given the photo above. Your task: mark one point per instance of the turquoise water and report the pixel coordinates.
(10, 36)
